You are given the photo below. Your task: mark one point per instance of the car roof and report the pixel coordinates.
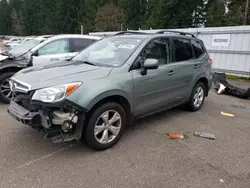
(74, 36)
(151, 35)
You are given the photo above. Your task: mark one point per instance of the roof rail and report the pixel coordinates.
(170, 31)
(131, 32)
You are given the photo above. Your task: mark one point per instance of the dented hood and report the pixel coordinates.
(60, 73)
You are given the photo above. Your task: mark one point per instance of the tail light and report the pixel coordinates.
(210, 61)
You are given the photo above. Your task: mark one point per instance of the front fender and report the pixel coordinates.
(106, 94)
(208, 77)
(91, 93)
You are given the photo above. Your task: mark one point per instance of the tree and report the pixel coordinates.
(17, 16)
(108, 18)
(134, 12)
(5, 18)
(236, 12)
(216, 13)
(32, 19)
(175, 13)
(17, 22)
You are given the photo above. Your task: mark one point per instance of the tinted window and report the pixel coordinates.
(55, 47)
(198, 51)
(156, 49)
(80, 44)
(182, 50)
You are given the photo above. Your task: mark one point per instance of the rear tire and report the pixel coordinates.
(5, 92)
(100, 133)
(197, 97)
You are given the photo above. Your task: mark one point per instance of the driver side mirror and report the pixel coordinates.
(149, 64)
(35, 53)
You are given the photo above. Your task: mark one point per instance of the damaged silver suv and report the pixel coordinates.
(109, 84)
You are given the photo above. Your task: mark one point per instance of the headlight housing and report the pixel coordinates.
(56, 93)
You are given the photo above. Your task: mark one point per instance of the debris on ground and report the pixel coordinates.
(227, 114)
(205, 135)
(221, 89)
(221, 84)
(222, 181)
(175, 135)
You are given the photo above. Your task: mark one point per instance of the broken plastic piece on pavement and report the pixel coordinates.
(205, 135)
(175, 135)
(221, 89)
(222, 181)
(227, 114)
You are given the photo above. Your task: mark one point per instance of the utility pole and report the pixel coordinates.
(246, 12)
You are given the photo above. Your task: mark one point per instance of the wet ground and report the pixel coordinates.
(144, 157)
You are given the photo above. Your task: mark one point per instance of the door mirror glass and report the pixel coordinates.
(151, 64)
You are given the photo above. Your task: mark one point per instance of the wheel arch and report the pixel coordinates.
(10, 68)
(119, 98)
(204, 80)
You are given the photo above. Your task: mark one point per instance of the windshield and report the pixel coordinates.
(113, 51)
(24, 47)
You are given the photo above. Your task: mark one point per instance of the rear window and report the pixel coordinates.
(182, 50)
(80, 44)
(198, 50)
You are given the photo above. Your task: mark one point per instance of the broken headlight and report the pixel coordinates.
(56, 93)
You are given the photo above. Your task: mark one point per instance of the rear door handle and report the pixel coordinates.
(171, 73)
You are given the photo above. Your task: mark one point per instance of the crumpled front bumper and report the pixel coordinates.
(43, 122)
(24, 116)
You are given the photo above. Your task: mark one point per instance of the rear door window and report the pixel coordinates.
(182, 49)
(198, 50)
(79, 44)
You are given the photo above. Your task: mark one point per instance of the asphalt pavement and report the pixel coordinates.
(145, 157)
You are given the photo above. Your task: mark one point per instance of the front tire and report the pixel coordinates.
(197, 97)
(5, 91)
(105, 126)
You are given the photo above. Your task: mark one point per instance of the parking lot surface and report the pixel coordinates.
(144, 157)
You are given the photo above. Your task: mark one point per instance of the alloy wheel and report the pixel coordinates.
(198, 97)
(5, 89)
(107, 126)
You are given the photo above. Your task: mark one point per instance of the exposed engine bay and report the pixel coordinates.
(60, 123)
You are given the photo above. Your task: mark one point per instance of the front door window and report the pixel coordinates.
(55, 47)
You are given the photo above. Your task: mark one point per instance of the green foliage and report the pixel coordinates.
(5, 19)
(216, 13)
(109, 18)
(34, 17)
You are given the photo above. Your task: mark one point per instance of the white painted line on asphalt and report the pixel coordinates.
(44, 157)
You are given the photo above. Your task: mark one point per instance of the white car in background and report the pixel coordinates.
(60, 48)
(55, 49)
(12, 41)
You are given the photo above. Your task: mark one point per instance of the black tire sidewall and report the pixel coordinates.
(191, 102)
(3, 77)
(89, 136)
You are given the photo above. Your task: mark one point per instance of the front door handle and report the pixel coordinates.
(171, 73)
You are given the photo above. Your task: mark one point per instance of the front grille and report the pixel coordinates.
(17, 86)
(24, 99)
